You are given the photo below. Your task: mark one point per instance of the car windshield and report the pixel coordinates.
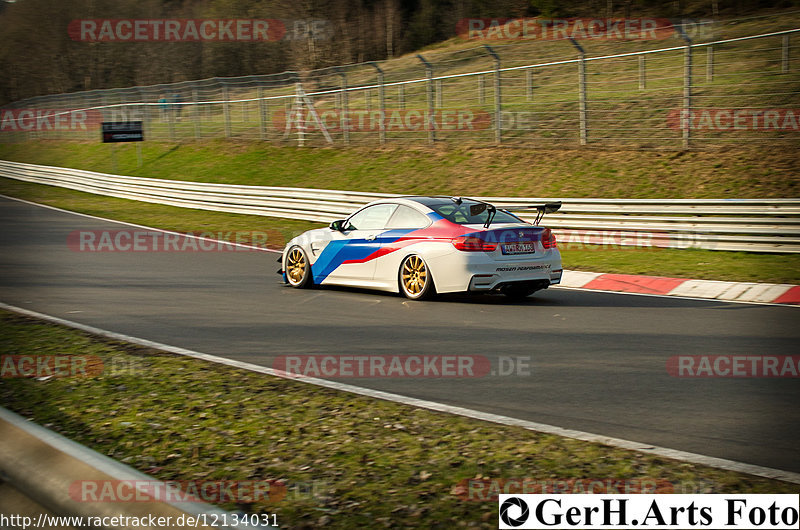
(460, 213)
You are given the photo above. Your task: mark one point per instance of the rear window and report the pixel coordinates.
(405, 217)
(459, 213)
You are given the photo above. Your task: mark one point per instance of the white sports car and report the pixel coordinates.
(419, 246)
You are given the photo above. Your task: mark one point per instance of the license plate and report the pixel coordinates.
(518, 248)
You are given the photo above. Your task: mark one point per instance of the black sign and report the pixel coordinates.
(122, 131)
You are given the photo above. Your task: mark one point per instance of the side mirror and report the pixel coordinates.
(337, 225)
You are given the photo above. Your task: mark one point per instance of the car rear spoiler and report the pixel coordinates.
(541, 209)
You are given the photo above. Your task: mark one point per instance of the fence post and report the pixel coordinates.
(300, 115)
(642, 72)
(785, 55)
(529, 84)
(439, 93)
(344, 120)
(686, 111)
(210, 109)
(87, 103)
(196, 113)
(171, 114)
(710, 64)
(584, 133)
(226, 111)
(401, 96)
(429, 89)
(381, 102)
(262, 113)
(498, 103)
(481, 89)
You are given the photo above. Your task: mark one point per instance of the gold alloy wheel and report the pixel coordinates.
(415, 275)
(295, 266)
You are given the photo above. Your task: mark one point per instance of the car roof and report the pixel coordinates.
(426, 200)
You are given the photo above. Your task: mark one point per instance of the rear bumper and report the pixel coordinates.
(493, 282)
(476, 271)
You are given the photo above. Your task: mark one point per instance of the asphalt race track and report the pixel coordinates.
(598, 359)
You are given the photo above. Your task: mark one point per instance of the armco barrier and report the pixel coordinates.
(753, 225)
(42, 466)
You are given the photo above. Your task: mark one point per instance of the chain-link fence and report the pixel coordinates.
(688, 94)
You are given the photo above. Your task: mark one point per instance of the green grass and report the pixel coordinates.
(735, 173)
(347, 461)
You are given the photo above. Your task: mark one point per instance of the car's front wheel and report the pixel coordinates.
(298, 269)
(415, 279)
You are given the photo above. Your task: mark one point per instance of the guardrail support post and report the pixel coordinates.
(498, 102)
(785, 55)
(381, 102)
(642, 72)
(344, 118)
(226, 111)
(581, 93)
(431, 125)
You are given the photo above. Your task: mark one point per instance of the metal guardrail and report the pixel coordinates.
(40, 469)
(754, 225)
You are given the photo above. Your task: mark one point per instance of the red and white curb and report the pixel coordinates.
(763, 293)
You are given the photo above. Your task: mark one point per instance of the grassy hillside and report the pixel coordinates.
(742, 173)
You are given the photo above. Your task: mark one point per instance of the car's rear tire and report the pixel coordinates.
(298, 268)
(415, 278)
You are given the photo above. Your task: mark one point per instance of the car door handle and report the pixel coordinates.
(370, 238)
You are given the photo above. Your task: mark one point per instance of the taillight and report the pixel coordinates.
(473, 244)
(548, 239)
